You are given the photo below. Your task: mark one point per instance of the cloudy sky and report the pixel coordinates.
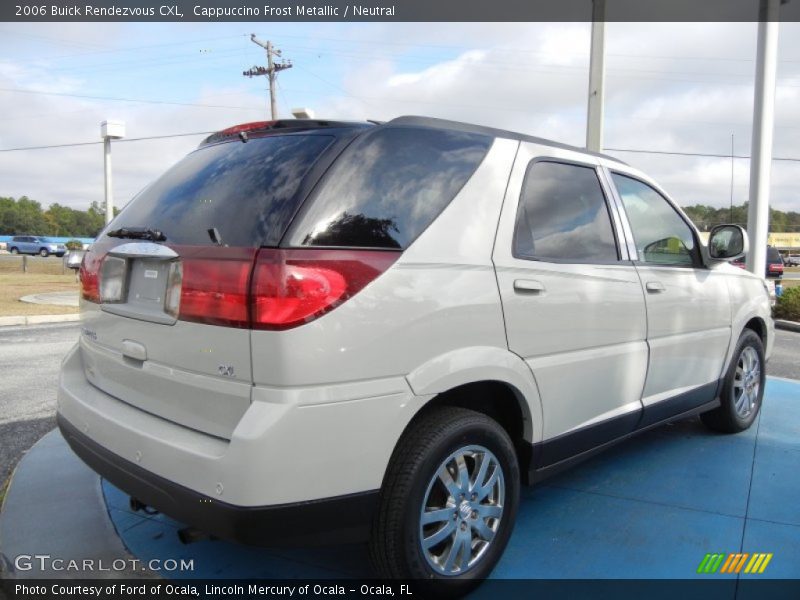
(670, 87)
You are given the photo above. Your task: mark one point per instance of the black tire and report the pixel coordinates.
(727, 418)
(14, 251)
(395, 543)
(44, 252)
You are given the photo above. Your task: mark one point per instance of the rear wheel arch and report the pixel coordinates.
(456, 374)
(498, 400)
(758, 325)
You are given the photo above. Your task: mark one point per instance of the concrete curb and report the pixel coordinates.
(787, 325)
(38, 319)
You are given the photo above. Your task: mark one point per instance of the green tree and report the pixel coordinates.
(706, 217)
(22, 216)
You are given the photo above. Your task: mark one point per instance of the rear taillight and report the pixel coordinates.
(294, 286)
(247, 287)
(776, 267)
(215, 285)
(90, 276)
(113, 279)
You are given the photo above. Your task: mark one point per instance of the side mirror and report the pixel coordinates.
(727, 242)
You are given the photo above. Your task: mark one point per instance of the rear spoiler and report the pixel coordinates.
(281, 125)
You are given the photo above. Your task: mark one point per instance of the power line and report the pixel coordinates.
(520, 50)
(173, 135)
(143, 47)
(701, 154)
(139, 139)
(53, 40)
(113, 99)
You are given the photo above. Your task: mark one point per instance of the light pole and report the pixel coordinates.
(110, 130)
(594, 113)
(763, 127)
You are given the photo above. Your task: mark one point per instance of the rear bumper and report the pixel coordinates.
(302, 464)
(331, 520)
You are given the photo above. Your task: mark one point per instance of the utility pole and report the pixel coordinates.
(763, 127)
(594, 117)
(271, 70)
(730, 213)
(110, 130)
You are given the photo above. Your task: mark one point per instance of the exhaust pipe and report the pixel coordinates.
(189, 535)
(137, 505)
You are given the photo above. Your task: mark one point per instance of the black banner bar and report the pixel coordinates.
(714, 587)
(388, 10)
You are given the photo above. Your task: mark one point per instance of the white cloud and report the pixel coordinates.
(683, 87)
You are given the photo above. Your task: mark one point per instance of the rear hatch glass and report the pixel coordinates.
(244, 190)
(185, 355)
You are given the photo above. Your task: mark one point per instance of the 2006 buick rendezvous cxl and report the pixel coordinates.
(318, 330)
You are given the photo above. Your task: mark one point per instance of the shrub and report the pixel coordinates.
(788, 305)
(74, 245)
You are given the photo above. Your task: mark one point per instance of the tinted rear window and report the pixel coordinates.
(563, 215)
(388, 186)
(244, 190)
(773, 255)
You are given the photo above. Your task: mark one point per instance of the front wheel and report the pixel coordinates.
(14, 251)
(743, 387)
(448, 502)
(44, 252)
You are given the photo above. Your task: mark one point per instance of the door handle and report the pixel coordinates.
(530, 286)
(654, 287)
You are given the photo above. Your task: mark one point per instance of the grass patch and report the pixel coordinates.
(14, 285)
(51, 265)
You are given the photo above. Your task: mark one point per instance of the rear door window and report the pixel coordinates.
(388, 186)
(246, 191)
(563, 216)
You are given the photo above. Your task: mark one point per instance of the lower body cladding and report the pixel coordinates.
(303, 466)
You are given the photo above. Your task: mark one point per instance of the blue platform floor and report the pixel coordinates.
(649, 508)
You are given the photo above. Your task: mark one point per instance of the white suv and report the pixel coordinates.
(318, 330)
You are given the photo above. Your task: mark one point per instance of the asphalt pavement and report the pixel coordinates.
(785, 361)
(30, 358)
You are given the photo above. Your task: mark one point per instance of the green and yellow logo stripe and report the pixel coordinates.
(734, 563)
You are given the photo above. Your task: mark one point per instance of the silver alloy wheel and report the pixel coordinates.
(462, 510)
(746, 382)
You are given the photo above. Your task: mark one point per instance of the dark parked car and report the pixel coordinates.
(774, 263)
(34, 244)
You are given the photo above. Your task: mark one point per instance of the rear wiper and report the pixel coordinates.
(138, 233)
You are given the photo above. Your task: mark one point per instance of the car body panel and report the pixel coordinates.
(320, 427)
(182, 377)
(590, 356)
(440, 295)
(688, 316)
(589, 319)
